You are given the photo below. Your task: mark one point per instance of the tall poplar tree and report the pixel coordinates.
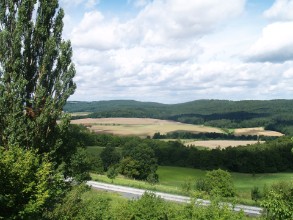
(36, 74)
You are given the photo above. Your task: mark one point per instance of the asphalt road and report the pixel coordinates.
(134, 193)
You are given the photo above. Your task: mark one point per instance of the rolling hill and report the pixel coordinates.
(272, 114)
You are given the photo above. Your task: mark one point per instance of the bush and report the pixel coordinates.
(219, 183)
(279, 201)
(255, 194)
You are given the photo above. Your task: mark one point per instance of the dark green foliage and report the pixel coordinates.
(256, 194)
(109, 156)
(272, 156)
(129, 167)
(143, 157)
(209, 136)
(78, 166)
(35, 74)
(272, 114)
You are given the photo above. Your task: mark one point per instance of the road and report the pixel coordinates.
(134, 193)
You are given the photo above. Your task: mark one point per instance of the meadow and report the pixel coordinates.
(171, 180)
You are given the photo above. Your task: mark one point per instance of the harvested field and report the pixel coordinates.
(256, 131)
(142, 127)
(220, 143)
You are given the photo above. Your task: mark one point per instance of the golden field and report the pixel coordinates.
(212, 144)
(144, 127)
(141, 127)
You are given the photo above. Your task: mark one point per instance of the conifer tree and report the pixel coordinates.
(36, 74)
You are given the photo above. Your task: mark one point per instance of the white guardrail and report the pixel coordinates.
(248, 210)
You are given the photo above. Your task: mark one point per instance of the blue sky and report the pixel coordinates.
(174, 51)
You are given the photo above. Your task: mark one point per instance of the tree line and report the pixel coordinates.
(271, 156)
(272, 114)
(209, 136)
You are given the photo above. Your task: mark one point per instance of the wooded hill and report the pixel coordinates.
(271, 114)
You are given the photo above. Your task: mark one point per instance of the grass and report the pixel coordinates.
(172, 178)
(94, 150)
(120, 180)
(244, 182)
(94, 193)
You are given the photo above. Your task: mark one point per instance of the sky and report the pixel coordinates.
(174, 51)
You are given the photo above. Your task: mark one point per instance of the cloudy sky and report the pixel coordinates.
(173, 51)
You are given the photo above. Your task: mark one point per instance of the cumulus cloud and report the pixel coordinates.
(280, 10)
(159, 22)
(93, 32)
(151, 53)
(155, 55)
(169, 84)
(275, 44)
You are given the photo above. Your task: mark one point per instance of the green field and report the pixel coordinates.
(175, 176)
(171, 180)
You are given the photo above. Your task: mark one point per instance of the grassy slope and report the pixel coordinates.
(172, 178)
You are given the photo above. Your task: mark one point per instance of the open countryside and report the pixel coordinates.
(144, 127)
(166, 73)
(141, 127)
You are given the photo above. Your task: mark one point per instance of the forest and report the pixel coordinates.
(271, 114)
(272, 156)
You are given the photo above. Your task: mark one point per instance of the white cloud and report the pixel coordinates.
(160, 22)
(177, 20)
(166, 53)
(275, 44)
(93, 32)
(280, 10)
(184, 82)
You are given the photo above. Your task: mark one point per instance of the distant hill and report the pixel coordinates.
(271, 114)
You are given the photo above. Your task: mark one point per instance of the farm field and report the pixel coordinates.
(144, 127)
(256, 131)
(212, 144)
(141, 127)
